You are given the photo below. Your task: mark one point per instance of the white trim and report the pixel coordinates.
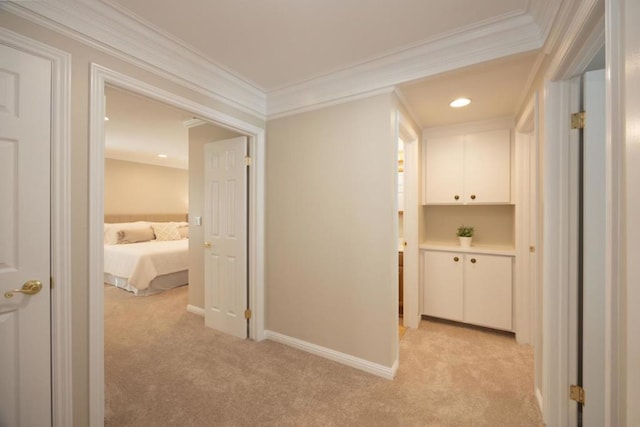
(539, 399)
(411, 298)
(583, 29)
(106, 29)
(101, 76)
(557, 233)
(468, 127)
(195, 310)
(332, 101)
(61, 350)
(105, 26)
(543, 12)
(511, 35)
(522, 285)
(617, 403)
(388, 372)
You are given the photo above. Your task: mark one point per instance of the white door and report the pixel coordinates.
(487, 290)
(487, 156)
(25, 340)
(225, 231)
(594, 241)
(443, 285)
(444, 170)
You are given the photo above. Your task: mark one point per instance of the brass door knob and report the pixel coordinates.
(207, 245)
(456, 259)
(473, 197)
(456, 197)
(473, 260)
(31, 287)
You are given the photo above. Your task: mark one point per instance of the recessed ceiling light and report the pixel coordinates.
(460, 102)
(164, 156)
(106, 119)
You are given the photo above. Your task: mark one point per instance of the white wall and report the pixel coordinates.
(332, 271)
(136, 188)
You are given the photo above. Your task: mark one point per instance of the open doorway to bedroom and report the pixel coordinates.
(155, 217)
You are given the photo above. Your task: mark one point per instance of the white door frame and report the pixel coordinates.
(100, 77)
(577, 52)
(411, 298)
(62, 403)
(524, 302)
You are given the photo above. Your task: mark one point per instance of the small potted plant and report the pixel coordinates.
(464, 235)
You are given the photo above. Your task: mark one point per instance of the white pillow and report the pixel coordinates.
(111, 230)
(135, 235)
(165, 231)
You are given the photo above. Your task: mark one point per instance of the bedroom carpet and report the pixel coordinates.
(164, 368)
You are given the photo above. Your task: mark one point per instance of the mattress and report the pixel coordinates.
(134, 266)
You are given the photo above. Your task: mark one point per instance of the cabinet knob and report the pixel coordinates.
(456, 197)
(456, 259)
(473, 260)
(473, 197)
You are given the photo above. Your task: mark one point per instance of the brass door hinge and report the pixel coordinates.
(576, 393)
(51, 282)
(577, 120)
(247, 314)
(247, 160)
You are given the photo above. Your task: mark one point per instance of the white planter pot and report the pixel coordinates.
(465, 242)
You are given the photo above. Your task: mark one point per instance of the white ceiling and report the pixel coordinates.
(495, 88)
(139, 129)
(278, 43)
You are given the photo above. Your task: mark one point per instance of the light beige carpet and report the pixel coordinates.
(164, 368)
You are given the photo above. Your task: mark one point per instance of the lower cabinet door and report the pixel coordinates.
(442, 296)
(487, 291)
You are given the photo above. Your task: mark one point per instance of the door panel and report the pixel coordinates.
(225, 230)
(443, 276)
(487, 291)
(25, 350)
(594, 240)
(487, 158)
(444, 165)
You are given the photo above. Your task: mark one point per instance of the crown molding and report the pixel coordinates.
(103, 27)
(575, 37)
(509, 36)
(506, 122)
(543, 13)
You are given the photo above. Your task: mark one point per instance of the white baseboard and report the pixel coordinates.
(539, 399)
(195, 310)
(387, 372)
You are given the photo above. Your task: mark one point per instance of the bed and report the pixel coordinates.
(146, 257)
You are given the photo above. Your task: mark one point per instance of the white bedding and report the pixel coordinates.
(142, 262)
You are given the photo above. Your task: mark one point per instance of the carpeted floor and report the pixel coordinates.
(164, 368)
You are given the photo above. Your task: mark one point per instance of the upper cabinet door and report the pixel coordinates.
(487, 158)
(444, 170)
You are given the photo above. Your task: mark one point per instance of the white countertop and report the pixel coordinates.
(475, 248)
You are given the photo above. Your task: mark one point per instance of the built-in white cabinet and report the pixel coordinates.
(443, 285)
(471, 168)
(468, 287)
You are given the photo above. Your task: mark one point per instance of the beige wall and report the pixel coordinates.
(493, 225)
(136, 188)
(82, 57)
(198, 137)
(331, 227)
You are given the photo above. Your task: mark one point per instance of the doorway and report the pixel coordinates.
(408, 234)
(101, 77)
